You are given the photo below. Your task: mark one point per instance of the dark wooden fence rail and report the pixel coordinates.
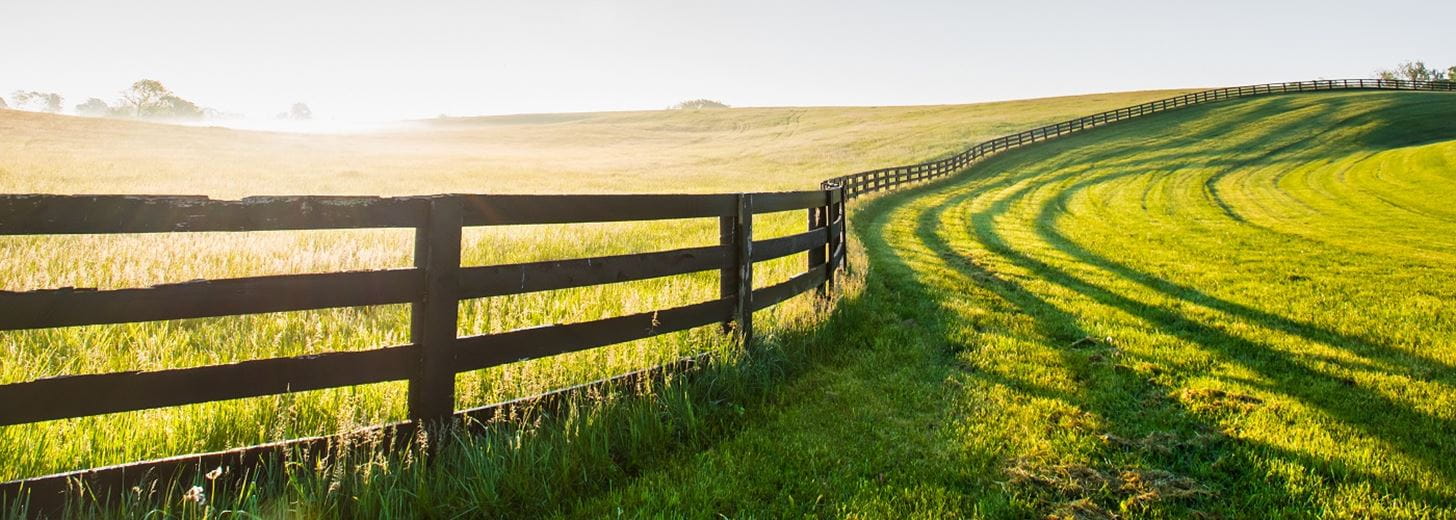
(858, 184)
(434, 287)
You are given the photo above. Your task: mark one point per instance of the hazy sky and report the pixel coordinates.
(363, 60)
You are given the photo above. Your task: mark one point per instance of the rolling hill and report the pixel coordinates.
(697, 151)
(1237, 310)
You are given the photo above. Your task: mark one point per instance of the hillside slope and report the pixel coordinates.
(740, 149)
(1236, 310)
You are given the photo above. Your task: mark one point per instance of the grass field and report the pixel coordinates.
(1237, 310)
(1242, 310)
(727, 150)
(666, 151)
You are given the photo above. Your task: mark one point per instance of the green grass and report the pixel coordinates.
(1238, 310)
(720, 150)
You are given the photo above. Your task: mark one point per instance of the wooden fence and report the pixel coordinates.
(885, 178)
(435, 286)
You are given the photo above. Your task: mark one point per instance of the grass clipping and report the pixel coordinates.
(1076, 486)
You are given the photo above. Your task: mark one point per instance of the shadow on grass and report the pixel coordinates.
(1131, 403)
(849, 408)
(1132, 406)
(1205, 156)
(546, 462)
(1390, 421)
(1386, 356)
(708, 410)
(1135, 404)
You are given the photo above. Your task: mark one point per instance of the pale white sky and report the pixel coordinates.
(370, 60)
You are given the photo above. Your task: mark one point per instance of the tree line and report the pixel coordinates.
(698, 104)
(1417, 71)
(145, 99)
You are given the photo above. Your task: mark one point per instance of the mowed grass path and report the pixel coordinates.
(1241, 310)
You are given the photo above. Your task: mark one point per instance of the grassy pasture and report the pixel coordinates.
(1241, 310)
(703, 151)
(707, 151)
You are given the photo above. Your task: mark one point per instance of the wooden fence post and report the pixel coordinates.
(434, 317)
(743, 260)
(728, 275)
(836, 236)
(817, 218)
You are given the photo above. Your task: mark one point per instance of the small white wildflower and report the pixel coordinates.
(216, 472)
(195, 495)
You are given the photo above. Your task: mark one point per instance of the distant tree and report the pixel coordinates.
(699, 104)
(148, 98)
(300, 112)
(144, 97)
(173, 107)
(94, 107)
(42, 101)
(54, 102)
(1412, 71)
(1418, 71)
(22, 99)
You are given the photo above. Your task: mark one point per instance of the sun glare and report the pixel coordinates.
(313, 126)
